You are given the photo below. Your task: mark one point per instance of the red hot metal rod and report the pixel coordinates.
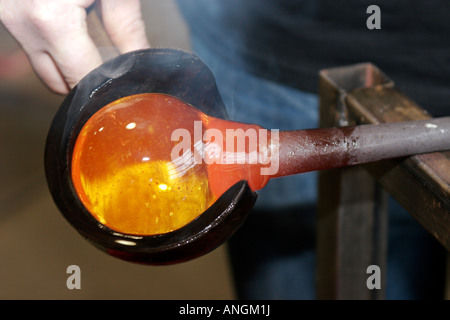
(327, 148)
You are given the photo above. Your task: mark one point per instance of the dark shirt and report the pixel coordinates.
(290, 41)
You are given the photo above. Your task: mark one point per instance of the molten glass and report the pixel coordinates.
(141, 166)
(149, 164)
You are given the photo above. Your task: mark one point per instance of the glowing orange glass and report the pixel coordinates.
(125, 174)
(150, 163)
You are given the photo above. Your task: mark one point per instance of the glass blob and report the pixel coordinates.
(150, 163)
(122, 169)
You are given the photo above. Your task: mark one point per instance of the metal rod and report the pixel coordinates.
(327, 148)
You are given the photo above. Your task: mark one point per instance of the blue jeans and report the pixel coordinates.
(273, 255)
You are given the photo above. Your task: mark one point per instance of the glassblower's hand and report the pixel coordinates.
(54, 35)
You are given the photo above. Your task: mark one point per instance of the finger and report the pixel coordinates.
(54, 36)
(70, 46)
(75, 57)
(47, 71)
(124, 25)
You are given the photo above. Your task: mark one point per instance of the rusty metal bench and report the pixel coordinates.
(352, 222)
